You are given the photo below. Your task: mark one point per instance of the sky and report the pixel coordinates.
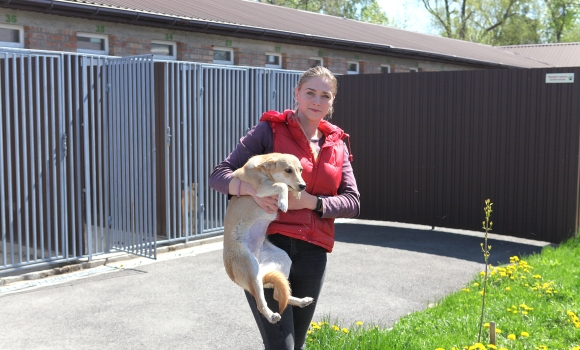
(409, 14)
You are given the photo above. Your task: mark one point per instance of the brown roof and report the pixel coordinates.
(269, 22)
(557, 55)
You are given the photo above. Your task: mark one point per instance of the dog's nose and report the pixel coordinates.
(302, 187)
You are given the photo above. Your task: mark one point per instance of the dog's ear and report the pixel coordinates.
(268, 164)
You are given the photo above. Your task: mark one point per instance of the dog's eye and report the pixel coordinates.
(288, 170)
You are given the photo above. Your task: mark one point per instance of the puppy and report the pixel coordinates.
(250, 259)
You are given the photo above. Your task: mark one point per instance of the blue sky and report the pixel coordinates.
(409, 14)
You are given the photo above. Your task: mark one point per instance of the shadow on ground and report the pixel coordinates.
(435, 242)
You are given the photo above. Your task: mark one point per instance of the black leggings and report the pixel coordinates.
(306, 279)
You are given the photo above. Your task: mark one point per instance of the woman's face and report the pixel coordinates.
(315, 97)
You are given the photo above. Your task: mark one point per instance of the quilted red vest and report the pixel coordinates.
(322, 176)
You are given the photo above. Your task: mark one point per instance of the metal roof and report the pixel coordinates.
(270, 22)
(557, 55)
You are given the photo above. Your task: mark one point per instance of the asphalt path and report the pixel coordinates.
(377, 273)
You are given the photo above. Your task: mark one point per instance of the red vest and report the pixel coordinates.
(322, 176)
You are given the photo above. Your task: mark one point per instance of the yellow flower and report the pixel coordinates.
(336, 328)
(512, 336)
(537, 276)
(465, 290)
(497, 330)
(576, 348)
(491, 346)
(486, 325)
(477, 346)
(507, 289)
(440, 349)
(345, 331)
(541, 347)
(476, 284)
(359, 323)
(525, 334)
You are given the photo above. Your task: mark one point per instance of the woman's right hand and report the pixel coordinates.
(269, 204)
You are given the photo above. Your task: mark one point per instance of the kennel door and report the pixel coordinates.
(130, 169)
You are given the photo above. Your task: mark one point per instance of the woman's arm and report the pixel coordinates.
(258, 140)
(347, 203)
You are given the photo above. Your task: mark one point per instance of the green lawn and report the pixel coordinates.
(534, 302)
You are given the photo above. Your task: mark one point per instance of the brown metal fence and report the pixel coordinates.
(429, 148)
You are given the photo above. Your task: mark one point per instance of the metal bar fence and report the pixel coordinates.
(81, 174)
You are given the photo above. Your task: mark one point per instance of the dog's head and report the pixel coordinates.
(285, 168)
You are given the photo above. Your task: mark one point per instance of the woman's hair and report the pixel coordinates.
(324, 73)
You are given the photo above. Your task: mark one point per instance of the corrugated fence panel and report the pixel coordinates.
(429, 148)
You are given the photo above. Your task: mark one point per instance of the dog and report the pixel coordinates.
(250, 260)
(191, 193)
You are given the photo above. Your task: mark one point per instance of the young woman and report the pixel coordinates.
(306, 231)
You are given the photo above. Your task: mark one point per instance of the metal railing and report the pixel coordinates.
(103, 153)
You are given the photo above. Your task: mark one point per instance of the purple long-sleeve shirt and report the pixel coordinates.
(260, 140)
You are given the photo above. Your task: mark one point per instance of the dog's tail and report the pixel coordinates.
(281, 287)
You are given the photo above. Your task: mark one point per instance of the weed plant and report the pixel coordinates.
(534, 301)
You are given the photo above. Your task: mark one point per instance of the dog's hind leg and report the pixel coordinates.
(257, 290)
(300, 302)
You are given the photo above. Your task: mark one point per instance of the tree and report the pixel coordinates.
(562, 16)
(494, 22)
(360, 10)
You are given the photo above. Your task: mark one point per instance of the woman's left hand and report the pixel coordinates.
(306, 201)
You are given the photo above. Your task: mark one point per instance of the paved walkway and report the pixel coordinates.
(377, 273)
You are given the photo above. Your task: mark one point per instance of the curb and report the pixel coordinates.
(103, 260)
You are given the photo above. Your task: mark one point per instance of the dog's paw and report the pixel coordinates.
(305, 301)
(275, 318)
(283, 205)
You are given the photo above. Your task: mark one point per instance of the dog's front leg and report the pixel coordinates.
(282, 196)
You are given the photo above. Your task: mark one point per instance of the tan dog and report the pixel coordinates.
(250, 259)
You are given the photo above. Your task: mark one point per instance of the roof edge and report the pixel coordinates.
(135, 17)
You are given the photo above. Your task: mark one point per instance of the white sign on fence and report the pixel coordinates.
(556, 78)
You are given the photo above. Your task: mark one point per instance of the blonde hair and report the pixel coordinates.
(320, 72)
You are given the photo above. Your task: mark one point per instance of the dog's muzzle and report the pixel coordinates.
(301, 187)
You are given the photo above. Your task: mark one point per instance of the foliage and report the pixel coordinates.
(562, 17)
(485, 248)
(506, 22)
(534, 300)
(360, 10)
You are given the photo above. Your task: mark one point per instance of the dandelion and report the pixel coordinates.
(359, 323)
(507, 289)
(541, 347)
(486, 325)
(491, 346)
(511, 336)
(466, 290)
(497, 330)
(525, 334)
(336, 328)
(477, 346)
(476, 284)
(345, 331)
(440, 349)
(537, 276)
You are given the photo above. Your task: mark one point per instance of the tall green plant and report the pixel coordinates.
(485, 249)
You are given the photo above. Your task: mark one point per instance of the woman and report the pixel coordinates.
(306, 231)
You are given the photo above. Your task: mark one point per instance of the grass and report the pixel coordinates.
(534, 302)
